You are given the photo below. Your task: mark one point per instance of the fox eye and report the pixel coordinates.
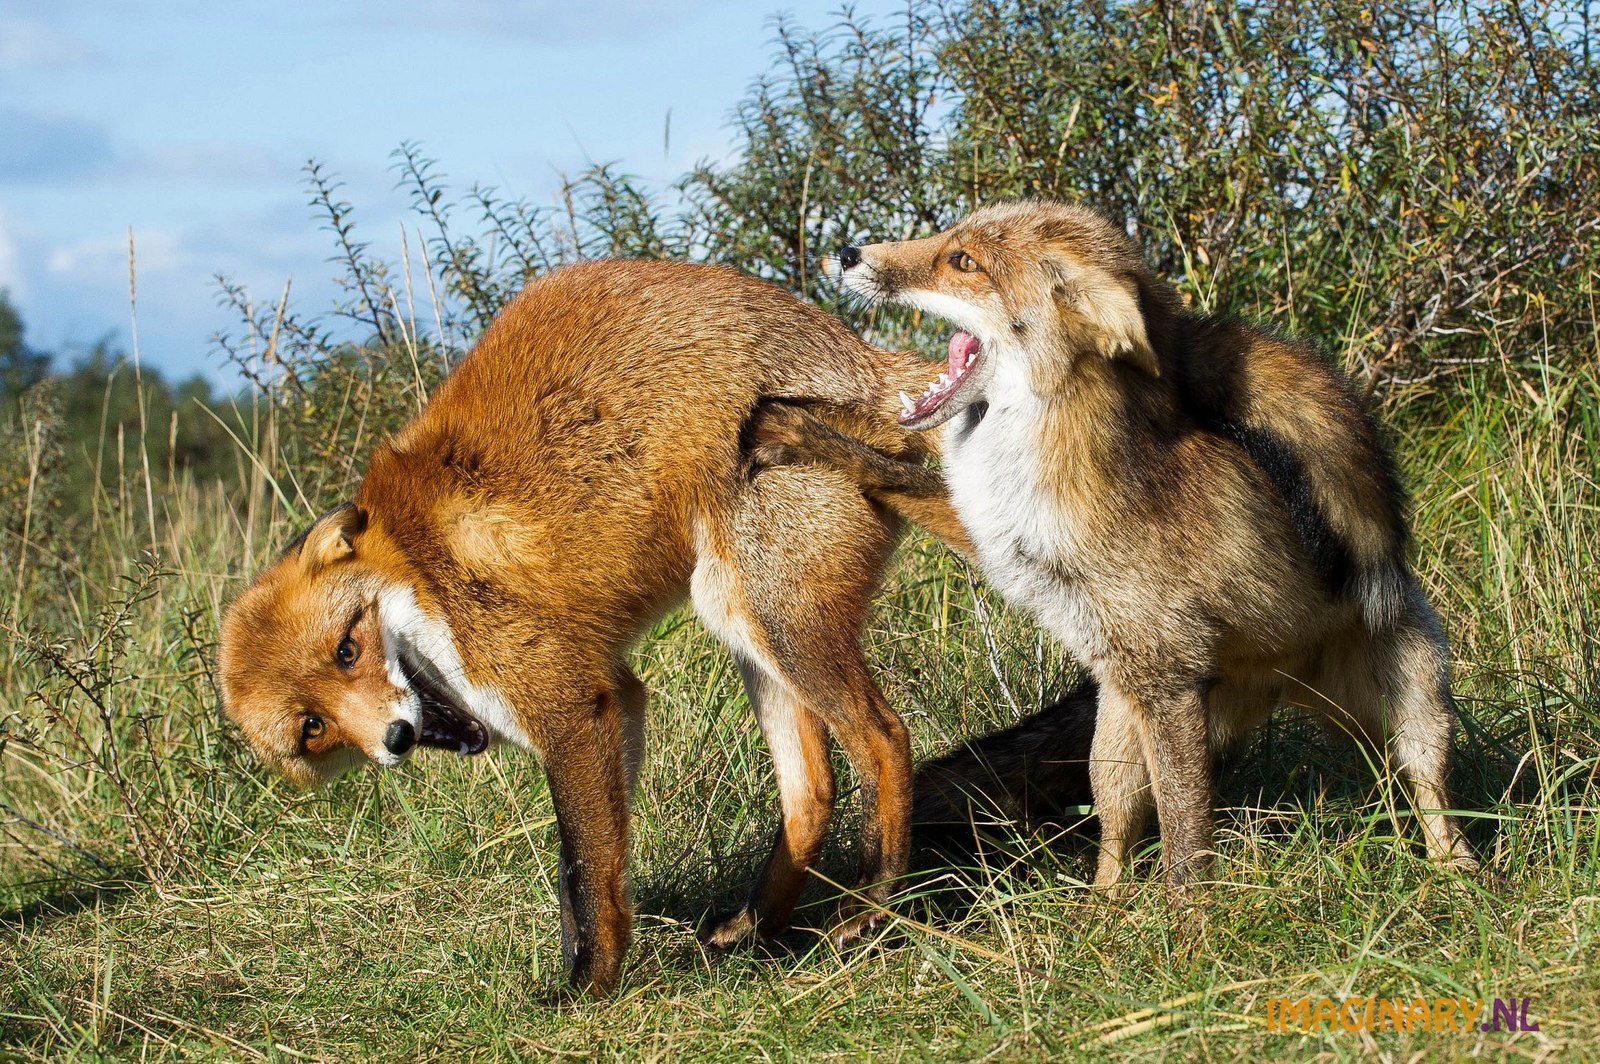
(964, 262)
(312, 728)
(348, 653)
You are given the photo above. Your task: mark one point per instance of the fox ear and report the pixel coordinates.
(1114, 315)
(331, 538)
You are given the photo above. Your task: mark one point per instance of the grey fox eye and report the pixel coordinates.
(349, 651)
(963, 262)
(311, 728)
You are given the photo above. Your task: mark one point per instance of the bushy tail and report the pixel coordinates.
(1301, 420)
(1026, 774)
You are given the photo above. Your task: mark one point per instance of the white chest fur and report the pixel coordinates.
(422, 636)
(1000, 480)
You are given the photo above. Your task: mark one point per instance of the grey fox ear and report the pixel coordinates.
(1112, 314)
(332, 538)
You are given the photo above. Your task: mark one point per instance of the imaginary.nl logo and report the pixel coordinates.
(1398, 1014)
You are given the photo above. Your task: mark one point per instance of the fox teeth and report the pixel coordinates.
(906, 404)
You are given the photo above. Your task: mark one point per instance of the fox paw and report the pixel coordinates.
(1118, 891)
(855, 923)
(730, 930)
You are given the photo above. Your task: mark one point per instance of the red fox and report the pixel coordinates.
(1201, 512)
(579, 473)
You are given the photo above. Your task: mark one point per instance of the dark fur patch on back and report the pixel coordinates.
(1328, 553)
(1212, 396)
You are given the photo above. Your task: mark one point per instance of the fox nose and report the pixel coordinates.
(849, 256)
(400, 737)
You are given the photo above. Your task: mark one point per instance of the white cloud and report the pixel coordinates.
(27, 42)
(155, 251)
(215, 164)
(44, 148)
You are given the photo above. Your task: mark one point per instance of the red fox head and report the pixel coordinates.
(1030, 286)
(308, 670)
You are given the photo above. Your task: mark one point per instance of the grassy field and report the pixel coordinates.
(161, 898)
(1416, 190)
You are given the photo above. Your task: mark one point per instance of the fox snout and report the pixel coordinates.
(400, 737)
(865, 272)
(858, 267)
(858, 275)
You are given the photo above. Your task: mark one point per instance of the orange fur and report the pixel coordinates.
(577, 475)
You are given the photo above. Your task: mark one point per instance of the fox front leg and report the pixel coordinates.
(784, 434)
(585, 762)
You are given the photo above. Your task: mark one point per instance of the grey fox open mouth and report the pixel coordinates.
(965, 350)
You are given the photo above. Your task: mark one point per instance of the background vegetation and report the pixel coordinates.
(1417, 186)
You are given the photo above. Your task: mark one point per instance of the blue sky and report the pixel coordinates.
(190, 121)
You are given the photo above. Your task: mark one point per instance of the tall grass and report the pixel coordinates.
(161, 897)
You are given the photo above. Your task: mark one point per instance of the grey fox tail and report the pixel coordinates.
(1033, 772)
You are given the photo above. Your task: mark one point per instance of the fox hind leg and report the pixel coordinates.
(790, 597)
(784, 434)
(632, 702)
(1392, 689)
(798, 739)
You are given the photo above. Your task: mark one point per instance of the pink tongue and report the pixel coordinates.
(963, 345)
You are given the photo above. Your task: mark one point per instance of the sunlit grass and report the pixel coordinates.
(412, 913)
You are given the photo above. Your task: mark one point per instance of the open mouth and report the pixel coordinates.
(446, 724)
(965, 350)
